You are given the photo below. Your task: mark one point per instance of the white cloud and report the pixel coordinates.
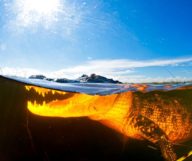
(117, 67)
(121, 69)
(125, 63)
(22, 72)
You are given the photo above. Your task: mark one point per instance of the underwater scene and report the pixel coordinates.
(42, 120)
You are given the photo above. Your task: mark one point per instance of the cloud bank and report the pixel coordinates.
(121, 69)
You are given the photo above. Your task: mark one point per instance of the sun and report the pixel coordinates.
(62, 17)
(42, 7)
(31, 12)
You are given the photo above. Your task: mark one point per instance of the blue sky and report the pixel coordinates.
(134, 41)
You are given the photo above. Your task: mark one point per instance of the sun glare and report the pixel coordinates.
(56, 16)
(30, 12)
(43, 7)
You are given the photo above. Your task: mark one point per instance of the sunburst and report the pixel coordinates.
(35, 12)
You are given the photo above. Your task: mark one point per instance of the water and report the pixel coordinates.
(94, 121)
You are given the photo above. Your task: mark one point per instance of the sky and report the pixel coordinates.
(128, 40)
